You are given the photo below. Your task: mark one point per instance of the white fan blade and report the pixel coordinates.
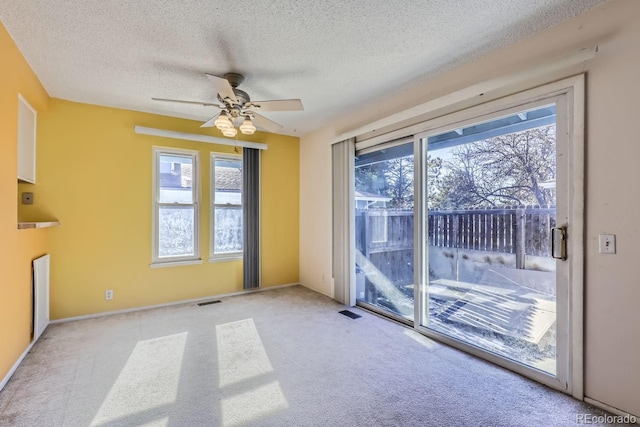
(205, 104)
(223, 87)
(209, 123)
(277, 105)
(264, 123)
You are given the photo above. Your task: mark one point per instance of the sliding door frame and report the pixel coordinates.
(568, 96)
(372, 307)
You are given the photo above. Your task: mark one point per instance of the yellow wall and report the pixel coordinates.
(95, 177)
(17, 248)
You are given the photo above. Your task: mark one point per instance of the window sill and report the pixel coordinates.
(223, 258)
(162, 264)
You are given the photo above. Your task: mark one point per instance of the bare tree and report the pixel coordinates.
(399, 177)
(504, 170)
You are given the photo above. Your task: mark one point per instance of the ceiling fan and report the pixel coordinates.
(237, 109)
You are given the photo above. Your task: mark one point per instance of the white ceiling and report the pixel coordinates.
(333, 54)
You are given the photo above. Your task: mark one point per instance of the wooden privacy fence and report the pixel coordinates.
(385, 237)
(521, 230)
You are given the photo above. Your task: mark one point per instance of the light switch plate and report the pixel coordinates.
(607, 243)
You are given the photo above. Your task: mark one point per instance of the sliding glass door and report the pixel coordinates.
(384, 218)
(491, 212)
(471, 232)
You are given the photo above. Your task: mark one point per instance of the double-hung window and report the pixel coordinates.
(176, 211)
(226, 207)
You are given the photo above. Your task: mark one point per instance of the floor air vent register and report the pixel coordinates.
(209, 302)
(350, 314)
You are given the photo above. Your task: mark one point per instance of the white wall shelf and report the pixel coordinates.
(37, 224)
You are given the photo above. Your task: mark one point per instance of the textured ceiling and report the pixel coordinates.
(333, 54)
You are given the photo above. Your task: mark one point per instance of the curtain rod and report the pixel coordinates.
(198, 138)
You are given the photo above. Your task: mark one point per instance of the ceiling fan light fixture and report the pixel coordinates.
(247, 127)
(229, 132)
(223, 122)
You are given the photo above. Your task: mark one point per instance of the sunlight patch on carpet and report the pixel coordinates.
(241, 355)
(253, 405)
(147, 384)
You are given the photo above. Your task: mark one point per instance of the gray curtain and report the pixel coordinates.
(343, 224)
(251, 217)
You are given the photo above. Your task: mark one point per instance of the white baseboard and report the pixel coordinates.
(169, 304)
(611, 409)
(7, 377)
(318, 290)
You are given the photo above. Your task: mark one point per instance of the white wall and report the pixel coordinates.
(315, 213)
(612, 284)
(613, 173)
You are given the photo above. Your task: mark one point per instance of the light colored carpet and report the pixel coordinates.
(283, 357)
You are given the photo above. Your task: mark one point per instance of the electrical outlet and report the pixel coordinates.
(108, 294)
(607, 243)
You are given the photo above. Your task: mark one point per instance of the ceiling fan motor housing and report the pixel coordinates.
(241, 96)
(235, 79)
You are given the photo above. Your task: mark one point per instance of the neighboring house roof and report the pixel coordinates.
(228, 179)
(173, 179)
(373, 197)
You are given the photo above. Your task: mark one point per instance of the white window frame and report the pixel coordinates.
(158, 261)
(226, 256)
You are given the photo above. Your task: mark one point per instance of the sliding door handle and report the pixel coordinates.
(559, 242)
